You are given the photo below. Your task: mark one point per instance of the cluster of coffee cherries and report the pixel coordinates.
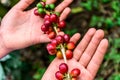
(60, 45)
(62, 74)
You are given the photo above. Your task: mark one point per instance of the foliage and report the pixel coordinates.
(31, 63)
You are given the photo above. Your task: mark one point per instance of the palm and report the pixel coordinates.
(53, 68)
(25, 26)
(88, 56)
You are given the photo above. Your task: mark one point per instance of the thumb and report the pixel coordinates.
(23, 4)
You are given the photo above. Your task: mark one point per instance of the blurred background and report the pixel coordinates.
(31, 63)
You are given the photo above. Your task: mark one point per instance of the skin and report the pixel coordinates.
(20, 29)
(25, 26)
(88, 56)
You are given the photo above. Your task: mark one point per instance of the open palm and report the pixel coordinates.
(88, 56)
(21, 28)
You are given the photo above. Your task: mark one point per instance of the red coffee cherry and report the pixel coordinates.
(62, 24)
(69, 54)
(51, 49)
(47, 17)
(59, 75)
(54, 41)
(47, 23)
(71, 45)
(53, 18)
(59, 39)
(63, 67)
(66, 38)
(36, 12)
(75, 72)
(44, 28)
(52, 35)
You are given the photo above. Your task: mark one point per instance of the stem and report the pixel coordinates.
(62, 47)
(63, 53)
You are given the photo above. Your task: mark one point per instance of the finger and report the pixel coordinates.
(65, 13)
(75, 38)
(50, 1)
(83, 44)
(63, 5)
(23, 4)
(97, 59)
(90, 50)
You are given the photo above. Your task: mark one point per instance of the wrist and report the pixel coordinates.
(3, 50)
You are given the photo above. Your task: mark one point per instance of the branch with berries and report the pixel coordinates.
(60, 45)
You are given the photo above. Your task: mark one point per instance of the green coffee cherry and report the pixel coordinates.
(43, 0)
(41, 10)
(57, 13)
(39, 5)
(52, 6)
(47, 6)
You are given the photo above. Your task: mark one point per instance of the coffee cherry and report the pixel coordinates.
(36, 12)
(41, 11)
(43, 3)
(52, 6)
(74, 78)
(69, 54)
(51, 48)
(53, 18)
(63, 67)
(71, 45)
(75, 72)
(52, 35)
(62, 24)
(47, 6)
(66, 38)
(43, 0)
(47, 23)
(59, 55)
(44, 28)
(59, 75)
(39, 5)
(59, 39)
(47, 17)
(54, 41)
(57, 13)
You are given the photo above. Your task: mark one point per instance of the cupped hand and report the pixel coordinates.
(88, 56)
(21, 28)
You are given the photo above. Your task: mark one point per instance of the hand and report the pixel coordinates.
(20, 28)
(88, 56)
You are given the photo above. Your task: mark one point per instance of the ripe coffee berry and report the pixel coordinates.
(69, 54)
(59, 75)
(62, 24)
(36, 12)
(66, 38)
(51, 48)
(44, 28)
(53, 18)
(47, 17)
(71, 45)
(63, 68)
(52, 35)
(59, 39)
(75, 72)
(47, 23)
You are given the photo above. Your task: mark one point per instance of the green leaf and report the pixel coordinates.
(2, 74)
(77, 10)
